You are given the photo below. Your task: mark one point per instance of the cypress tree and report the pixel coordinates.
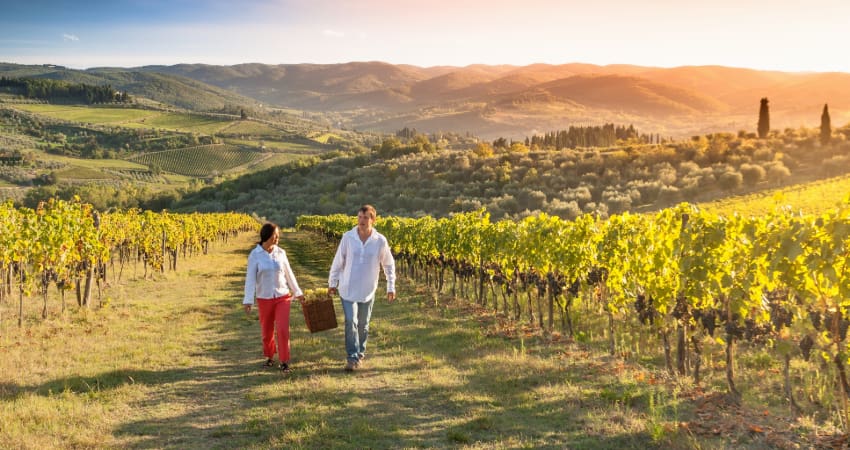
(825, 126)
(764, 119)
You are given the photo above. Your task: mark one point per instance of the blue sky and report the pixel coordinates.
(780, 35)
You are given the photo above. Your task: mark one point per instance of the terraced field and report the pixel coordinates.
(200, 161)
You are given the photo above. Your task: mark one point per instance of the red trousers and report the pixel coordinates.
(274, 322)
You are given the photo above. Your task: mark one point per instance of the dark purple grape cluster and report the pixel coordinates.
(707, 318)
(645, 309)
(806, 345)
(556, 283)
(597, 275)
(681, 311)
(574, 287)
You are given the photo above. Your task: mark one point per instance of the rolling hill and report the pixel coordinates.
(170, 89)
(493, 101)
(514, 101)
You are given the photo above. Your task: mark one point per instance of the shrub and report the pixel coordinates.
(687, 168)
(580, 194)
(730, 180)
(777, 172)
(752, 173)
(665, 173)
(669, 194)
(565, 210)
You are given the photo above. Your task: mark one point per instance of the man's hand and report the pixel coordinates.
(390, 297)
(332, 291)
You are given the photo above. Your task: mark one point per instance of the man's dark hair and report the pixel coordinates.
(369, 209)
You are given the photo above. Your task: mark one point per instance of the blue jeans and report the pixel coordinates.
(357, 316)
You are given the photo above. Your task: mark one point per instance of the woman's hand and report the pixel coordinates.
(247, 307)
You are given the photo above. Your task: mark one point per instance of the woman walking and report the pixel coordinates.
(270, 280)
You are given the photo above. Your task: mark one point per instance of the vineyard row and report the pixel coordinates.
(693, 279)
(72, 246)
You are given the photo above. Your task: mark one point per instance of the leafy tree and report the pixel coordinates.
(764, 119)
(48, 89)
(825, 126)
(421, 143)
(519, 147)
(483, 150)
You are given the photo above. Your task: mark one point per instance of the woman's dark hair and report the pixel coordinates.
(266, 231)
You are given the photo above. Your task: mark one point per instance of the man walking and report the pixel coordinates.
(361, 254)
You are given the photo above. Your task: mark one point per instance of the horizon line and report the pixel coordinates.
(94, 67)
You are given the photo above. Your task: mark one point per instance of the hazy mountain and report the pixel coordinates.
(629, 94)
(307, 86)
(174, 90)
(514, 101)
(509, 101)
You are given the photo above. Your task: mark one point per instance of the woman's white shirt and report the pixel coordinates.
(269, 275)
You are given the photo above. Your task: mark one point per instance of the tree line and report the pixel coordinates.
(578, 136)
(57, 90)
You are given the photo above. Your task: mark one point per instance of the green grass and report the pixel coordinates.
(174, 362)
(274, 159)
(295, 148)
(88, 114)
(131, 118)
(116, 164)
(187, 122)
(252, 128)
(323, 138)
(811, 198)
(83, 173)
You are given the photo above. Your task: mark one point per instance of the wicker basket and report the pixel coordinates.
(319, 312)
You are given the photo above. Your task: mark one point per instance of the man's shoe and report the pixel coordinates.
(351, 365)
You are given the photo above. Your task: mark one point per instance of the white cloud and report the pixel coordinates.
(333, 33)
(70, 37)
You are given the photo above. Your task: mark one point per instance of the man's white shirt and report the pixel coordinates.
(357, 264)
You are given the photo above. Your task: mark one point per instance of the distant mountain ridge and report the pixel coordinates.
(518, 100)
(515, 101)
(172, 89)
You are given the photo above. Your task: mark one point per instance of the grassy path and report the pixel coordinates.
(175, 363)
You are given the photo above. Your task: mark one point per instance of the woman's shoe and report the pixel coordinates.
(269, 363)
(284, 367)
